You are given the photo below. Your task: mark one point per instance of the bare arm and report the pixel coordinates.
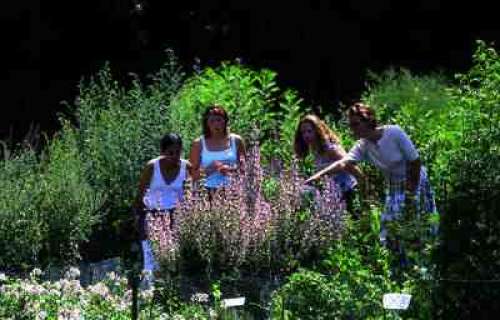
(189, 169)
(353, 169)
(332, 168)
(413, 179)
(339, 153)
(194, 159)
(144, 181)
(241, 152)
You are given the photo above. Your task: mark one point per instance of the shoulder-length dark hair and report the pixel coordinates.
(324, 134)
(214, 110)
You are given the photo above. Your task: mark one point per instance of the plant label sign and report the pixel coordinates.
(396, 301)
(233, 302)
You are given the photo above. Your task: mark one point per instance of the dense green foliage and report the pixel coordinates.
(455, 127)
(252, 98)
(349, 283)
(118, 132)
(22, 230)
(84, 182)
(82, 185)
(471, 225)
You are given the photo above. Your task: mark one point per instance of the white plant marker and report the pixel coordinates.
(396, 301)
(233, 302)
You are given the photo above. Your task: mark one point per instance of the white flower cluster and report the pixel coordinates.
(67, 299)
(199, 297)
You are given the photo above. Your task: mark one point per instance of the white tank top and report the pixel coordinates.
(163, 196)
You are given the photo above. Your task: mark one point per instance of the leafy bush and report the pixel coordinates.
(47, 206)
(253, 99)
(69, 205)
(348, 284)
(87, 178)
(471, 224)
(118, 131)
(455, 127)
(22, 228)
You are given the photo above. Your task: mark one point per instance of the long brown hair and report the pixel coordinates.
(324, 134)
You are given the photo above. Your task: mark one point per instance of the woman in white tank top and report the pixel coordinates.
(216, 154)
(161, 189)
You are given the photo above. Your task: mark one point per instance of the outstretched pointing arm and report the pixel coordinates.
(332, 168)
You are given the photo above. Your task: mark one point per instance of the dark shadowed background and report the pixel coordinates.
(321, 48)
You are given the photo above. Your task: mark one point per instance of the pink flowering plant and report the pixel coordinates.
(244, 229)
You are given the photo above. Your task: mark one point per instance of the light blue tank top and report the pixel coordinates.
(228, 156)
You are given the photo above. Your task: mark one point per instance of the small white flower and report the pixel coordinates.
(99, 289)
(212, 313)
(147, 294)
(199, 297)
(42, 315)
(72, 274)
(112, 276)
(3, 277)
(35, 273)
(164, 316)
(69, 314)
(34, 289)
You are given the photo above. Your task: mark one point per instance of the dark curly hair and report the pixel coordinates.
(170, 139)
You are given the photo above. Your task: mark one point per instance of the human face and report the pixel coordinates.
(216, 124)
(172, 154)
(308, 132)
(360, 127)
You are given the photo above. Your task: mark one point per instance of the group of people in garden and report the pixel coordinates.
(218, 154)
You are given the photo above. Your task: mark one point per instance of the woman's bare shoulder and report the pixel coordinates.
(237, 137)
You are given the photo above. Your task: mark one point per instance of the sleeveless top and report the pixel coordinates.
(228, 156)
(162, 195)
(344, 180)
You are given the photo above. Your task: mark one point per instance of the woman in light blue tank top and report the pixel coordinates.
(216, 154)
(314, 136)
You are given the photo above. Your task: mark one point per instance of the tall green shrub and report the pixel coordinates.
(252, 98)
(455, 127)
(470, 255)
(22, 229)
(87, 177)
(69, 205)
(119, 129)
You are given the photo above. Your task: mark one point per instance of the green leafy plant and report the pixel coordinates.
(252, 98)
